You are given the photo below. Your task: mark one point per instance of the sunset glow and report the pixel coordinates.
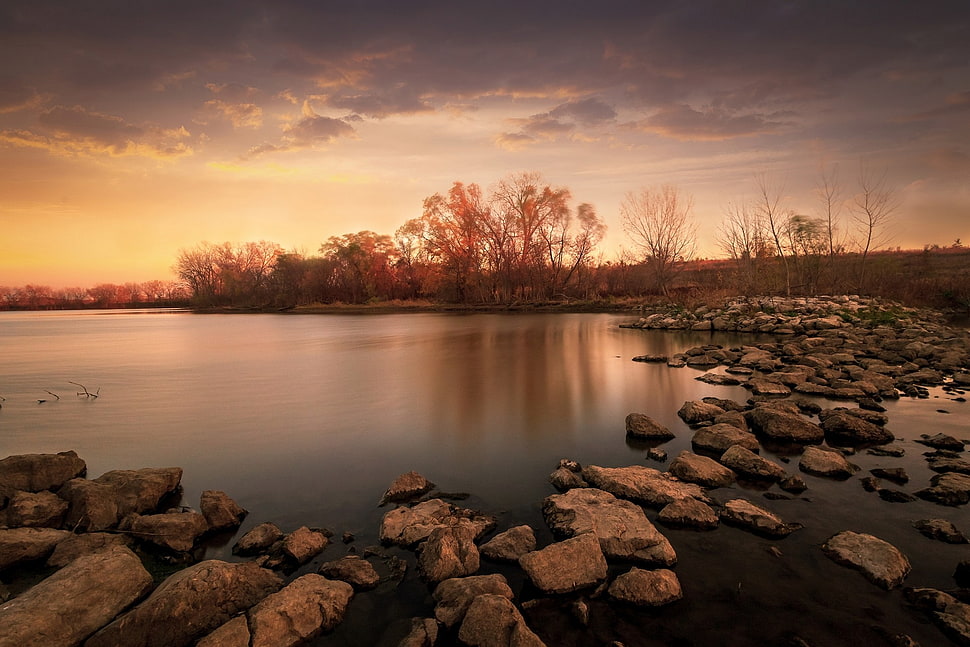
(129, 131)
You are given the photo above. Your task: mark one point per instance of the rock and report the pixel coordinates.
(793, 484)
(746, 515)
(784, 426)
(704, 471)
(688, 513)
(718, 379)
(878, 560)
(305, 608)
(942, 441)
(100, 504)
(646, 588)
(693, 412)
(768, 388)
(656, 454)
(564, 479)
(941, 530)
(303, 544)
(843, 429)
(189, 604)
(510, 545)
(177, 531)
(828, 463)
(949, 614)
(657, 359)
(641, 484)
(449, 551)
(733, 418)
(38, 472)
(354, 570)
(33, 510)
(493, 621)
(220, 511)
(895, 496)
(895, 474)
(406, 526)
(623, 530)
(892, 452)
(73, 603)
(77, 545)
(406, 486)
(946, 464)
(19, 545)
(642, 426)
(258, 539)
(719, 437)
(566, 566)
(949, 488)
(234, 633)
(453, 596)
(424, 633)
(749, 465)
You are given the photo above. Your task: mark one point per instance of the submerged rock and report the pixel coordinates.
(566, 566)
(642, 426)
(424, 633)
(406, 486)
(878, 560)
(646, 588)
(949, 488)
(942, 441)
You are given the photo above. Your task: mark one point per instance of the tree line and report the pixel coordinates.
(154, 293)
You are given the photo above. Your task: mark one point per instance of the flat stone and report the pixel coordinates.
(784, 426)
(406, 526)
(768, 388)
(220, 511)
(566, 566)
(704, 471)
(258, 539)
(688, 513)
(941, 530)
(844, 429)
(748, 464)
(746, 515)
(646, 588)
(641, 484)
(878, 560)
(942, 441)
(510, 545)
(827, 463)
(948, 613)
(353, 569)
(176, 531)
(303, 544)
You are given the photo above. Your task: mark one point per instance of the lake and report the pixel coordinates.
(305, 420)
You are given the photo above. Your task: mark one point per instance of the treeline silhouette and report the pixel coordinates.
(157, 294)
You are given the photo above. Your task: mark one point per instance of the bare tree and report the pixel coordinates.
(659, 224)
(874, 206)
(828, 190)
(775, 217)
(742, 237)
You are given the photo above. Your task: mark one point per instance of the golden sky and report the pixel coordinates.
(132, 129)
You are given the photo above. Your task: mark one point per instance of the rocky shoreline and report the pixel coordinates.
(816, 399)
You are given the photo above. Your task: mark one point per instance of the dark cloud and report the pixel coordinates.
(77, 122)
(587, 112)
(240, 115)
(680, 121)
(956, 104)
(563, 120)
(235, 92)
(310, 131)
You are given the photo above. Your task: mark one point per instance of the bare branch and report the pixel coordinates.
(85, 391)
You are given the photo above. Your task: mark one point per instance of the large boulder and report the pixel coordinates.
(695, 412)
(623, 530)
(37, 472)
(18, 545)
(455, 595)
(825, 462)
(781, 425)
(190, 604)
(646, 588)
(643, 427)
(407, 486)
(175, 531)
(220, 511)
(258, 539)
(704, 471)
(84, 544)
(844, 429)
(510, 545)
(352, 569)
(305, 608)
(878, 560)
(749, 465)
(493, 621)
(641, 484)
(746, 515)
(33, 510)
(406, 526)
(719, 437)
(101, 503)
(70, 605)
(449, 551)
(566, 566)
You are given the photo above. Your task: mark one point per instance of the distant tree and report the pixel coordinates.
(741, 236)
(199, 269)
(363, 265)
(775, 217)
(658, 223)
(875, 204)
(828, 191)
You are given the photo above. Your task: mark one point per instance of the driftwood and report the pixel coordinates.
(85, 391)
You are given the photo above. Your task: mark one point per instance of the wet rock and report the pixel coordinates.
(844, 429)
(510, 545)
(949, 488)
(405, 487)
(718, 438)
(449, 551)
(878, 560)
(305, 608)
(566, 566)
(656, 454)
(892, 452)
(827, 463)
(303, 544)
(33, 510)
(176, 531)
(895, 496)
(258, 539)
(694, 411)
(941, 530)
(942, 441)
(793, 484)
(704, 471)
(869, 416)
(454, 596)
(896, 475)
(646, 588)
(748, 464)
(19, 545)
(623, 530)
(718, 379)
(406, 526)
(38, 472)
(641, 484)
(220, 511)
(642, 426)
(768, 388)
(493, 621)
(564, 479)
(746, 515)
(948, 613)
(84, 544)
(102, 503)
(424, 633)
(354, 570)
(656, 359)
(946, 464)
(76, 601)
(733, 418)
(784, 426)
(688, 513)
(190, 604)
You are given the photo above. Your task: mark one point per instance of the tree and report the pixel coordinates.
(875, 204)
(658, 223)
(364, 265)
(828, 190)
(775, 218)
(742, 237)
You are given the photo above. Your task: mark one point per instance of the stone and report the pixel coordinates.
(719, 437)
(566, 566)
(354, 570)
(424, 633)
(897, 475)
(493, 621)
(646, 588)
(749, 465)
(220, 511)
(942, 441)
(718, 379)
(824, 462)
(941, 530)
(621, 527)
(793, 484)
(642, 426)
(258, 539)
(656, 359)
(768, 388)
(688, 513)
(102, 503)
(746, 515)
(84, 544)
(234, 633)
(406, 526)
(693, 412)
(303, 544)
(510, 545)
(949, 488)
(962, 574)
(19, 545)
(733, 418)
(449, 551)
(641, 484)
(405, 487)
(784, 426)
(70, 605)
(301, 611)
(176, 531)
(704, 471)
(33, 510)
(947, 464)
(844, 429)
(38, 472)
(189, 604)
(453, 596)
(564, 479)
(949, 614)
(895, 496)
(878, 560)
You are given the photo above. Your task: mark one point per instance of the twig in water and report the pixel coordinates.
(85, 391)
(55, 395)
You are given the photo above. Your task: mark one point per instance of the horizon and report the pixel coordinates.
(130, 135)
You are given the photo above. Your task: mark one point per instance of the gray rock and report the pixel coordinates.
(646, 588)
(353, 569)
(704, 471)
(493, 621)
(258, 539)
(19, 545)
(37, 472)
(406, 526)
(449, 551)
(303, 544)
(718, 438)
(176, 531)
(33, 510)
(878, 560)
(70, 605)
(746, 515)
(406, 486)
(642, 426)
(941, 530)
(694, 411)
(641, 484)
(825, 462)
(566, 566)
(784, 426)
(454, 596)
(220, 511)
(688, 513)
(102, 503)
(749, 465)
(510, 545)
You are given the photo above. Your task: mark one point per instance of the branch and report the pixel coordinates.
(85, 391)
(54, 394)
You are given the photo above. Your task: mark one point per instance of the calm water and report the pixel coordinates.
(305, 420)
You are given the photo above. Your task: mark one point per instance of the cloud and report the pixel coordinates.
(15, 96)
(590, 111)
(562, 121)
(955, 104)
(682, 122)
(240, 115)
(310, 131)
(235, 92)
(514, 141)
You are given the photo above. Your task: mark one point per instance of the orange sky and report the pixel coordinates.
(129, 133)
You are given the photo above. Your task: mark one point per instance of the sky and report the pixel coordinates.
(132, 129)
